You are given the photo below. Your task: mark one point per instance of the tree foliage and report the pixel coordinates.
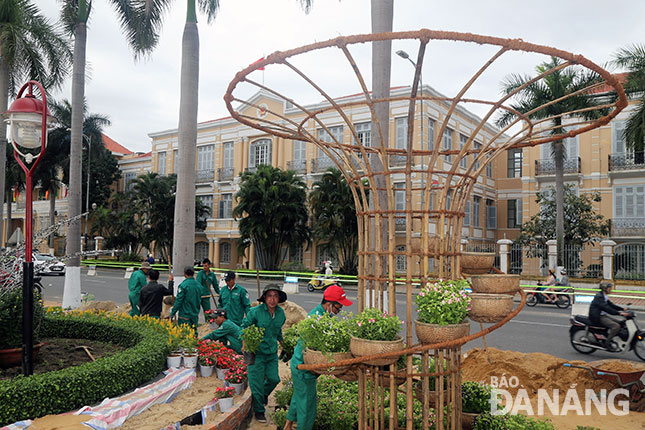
(334, 219)
(272, 213)
(582, 224)
(633, 59)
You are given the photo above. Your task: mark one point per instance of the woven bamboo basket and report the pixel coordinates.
(418, 394)
(490, 308)
(399, 379)
(477, 263)
(467, 420)
(435, 333)
(311, 356)
(362, 347)
(496, 284)
(350, 375)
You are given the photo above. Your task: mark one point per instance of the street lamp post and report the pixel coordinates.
(405, 56)
(28, 118)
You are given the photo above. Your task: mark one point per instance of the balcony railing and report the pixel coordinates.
(205, 175)
(224, 173)
(398, 160)
(321, 164)
(399, 224)
(628, 227)
(299, 166)
(627, 161)
(547, 166)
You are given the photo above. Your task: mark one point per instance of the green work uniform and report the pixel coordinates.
(304, 401)
(205, 280)
(187, 303)
(229, 334)
(236, 302)
(263, 374)
(135, 283)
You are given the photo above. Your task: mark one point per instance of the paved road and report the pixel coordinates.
(540, 329)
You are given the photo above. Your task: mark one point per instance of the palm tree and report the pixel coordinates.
(30, 48)
(560, 84)
(334, 218)
(272, 213)
(633, 59)
(140, 20)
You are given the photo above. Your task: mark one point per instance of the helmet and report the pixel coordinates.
(605, 285)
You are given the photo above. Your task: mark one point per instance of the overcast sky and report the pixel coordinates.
(143, 96)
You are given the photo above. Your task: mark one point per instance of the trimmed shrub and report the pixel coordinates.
(11, 318)
(68, 389)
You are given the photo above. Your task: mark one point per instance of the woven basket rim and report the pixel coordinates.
(490, 296)
(496, 276)
(398, 339)
(466, 321)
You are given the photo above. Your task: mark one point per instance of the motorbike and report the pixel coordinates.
(587, 338)
(563, 301)
(320, 282)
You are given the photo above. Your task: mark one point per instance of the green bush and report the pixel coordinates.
(11, 318)
(486, 421)
(68, 389)
(475, 397)
(324, 333)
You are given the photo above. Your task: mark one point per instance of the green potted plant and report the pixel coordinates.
(252, 337)
(289, 341)
(10, 320)
(224, 396)
(326, 340)
(442, 308)
(189, 344)
(475, 400)
(236, 375)
(374, 332)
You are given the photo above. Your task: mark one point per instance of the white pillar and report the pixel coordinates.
(504, 253)
(553, 253)
(608, 259)
(464, 244)
(97, 243)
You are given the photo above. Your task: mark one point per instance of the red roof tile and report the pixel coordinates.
(114, 147)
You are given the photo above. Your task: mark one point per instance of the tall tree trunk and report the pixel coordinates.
(558, 153)
(72, 290)
(52, 219)
(4, 95)
(183, 252)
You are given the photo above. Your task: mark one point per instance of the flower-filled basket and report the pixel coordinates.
(442, 308)
(326, 341)
(375, 332)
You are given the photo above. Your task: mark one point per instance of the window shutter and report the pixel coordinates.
(269, 145)
(619, 143)
(618, 203)
(467, 214)
(493, 217)
(431, 134)
(401, 133)
(518, 212)
(252, 155)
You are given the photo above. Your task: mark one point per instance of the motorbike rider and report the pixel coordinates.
(564, 279)
(603, 312)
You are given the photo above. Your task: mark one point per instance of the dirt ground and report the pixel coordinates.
(59, 353)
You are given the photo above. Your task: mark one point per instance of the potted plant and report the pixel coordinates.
(475, 400)
(10, 319)
(326, 340)
(289, 341)
(189, 344)
(442, 308)
(252, 337)
(224, 361)
(209, 319)
(225, 397)
(375, 332)
(236, 375)
(206, 356)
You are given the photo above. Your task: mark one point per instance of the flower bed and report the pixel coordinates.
(147, 340)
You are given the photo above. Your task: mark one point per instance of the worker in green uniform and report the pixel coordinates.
(234, 299)
(228, 332)
(263, 374)
(188, 300)
(304, 400)
(137, 281)
(206, 279)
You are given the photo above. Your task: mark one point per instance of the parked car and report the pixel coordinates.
(45, 264)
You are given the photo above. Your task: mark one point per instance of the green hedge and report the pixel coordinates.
(11, 318)
(68, 389)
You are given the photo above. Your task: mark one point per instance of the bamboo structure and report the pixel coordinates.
(432, 233)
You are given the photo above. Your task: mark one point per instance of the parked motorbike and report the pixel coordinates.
(587, 338)
(320, 282)
(563, 301)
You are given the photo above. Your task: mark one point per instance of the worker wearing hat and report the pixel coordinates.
(234, 299)
(228, 332)
(137, 281)
(304, 401)
(263, 374)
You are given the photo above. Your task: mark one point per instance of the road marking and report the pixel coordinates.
(539, 323)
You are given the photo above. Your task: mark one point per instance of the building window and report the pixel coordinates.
(618, 139)
(260, 153)
(401, 135)
(570, 145)
(477, 146)
(399, 204)
(295, 256)
(467, 214)
(401, 260)
(161, 164)
(430, 133)
(514, 213)
(447, 144)
(462, 142)
(491, 214)
(226, 206)
(629, 202)
(514, 163)
(489, 166)
(207, 200)
(201, 251)
(128, 181)
(336, 135)
(205, 157)
(229, 154)
(476, 203)
(364, 133)
(224, 253)
(175, 161)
